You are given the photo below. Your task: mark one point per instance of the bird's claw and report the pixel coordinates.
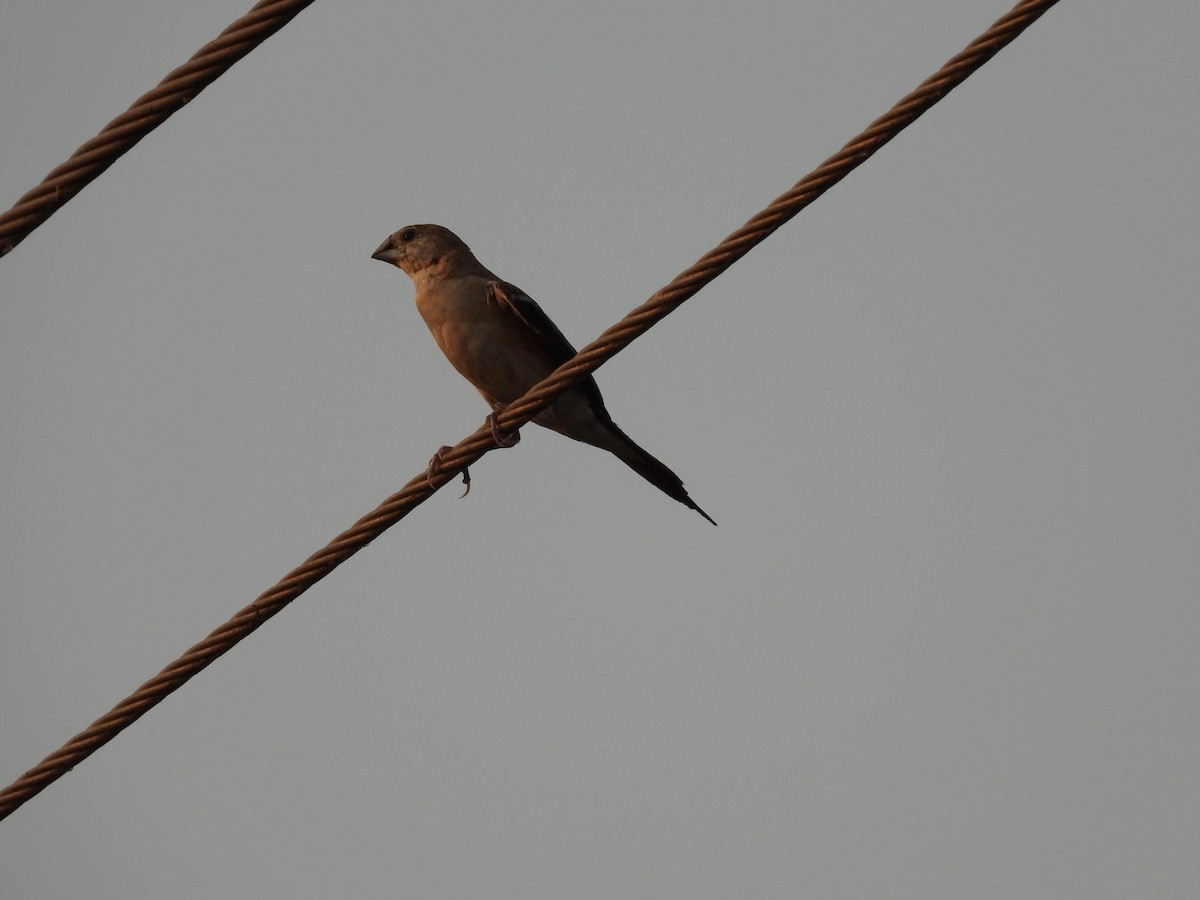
(502, 440)
(435, 464)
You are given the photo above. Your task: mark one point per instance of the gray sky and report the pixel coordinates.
(943, 643)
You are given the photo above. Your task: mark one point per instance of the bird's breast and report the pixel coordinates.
(491, 349)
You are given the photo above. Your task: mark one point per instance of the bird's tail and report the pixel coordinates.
(654, 471)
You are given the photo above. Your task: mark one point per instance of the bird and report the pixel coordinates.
(503, 343)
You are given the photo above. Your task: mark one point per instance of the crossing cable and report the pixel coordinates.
(521, 411)
(147, 113)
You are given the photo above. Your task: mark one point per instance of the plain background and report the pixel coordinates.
(944, 641)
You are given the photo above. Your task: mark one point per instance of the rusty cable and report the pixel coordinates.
(147, 113)
(541, 395)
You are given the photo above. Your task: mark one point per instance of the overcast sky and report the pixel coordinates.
(944, 641)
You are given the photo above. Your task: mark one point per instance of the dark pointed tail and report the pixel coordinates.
(653, 471)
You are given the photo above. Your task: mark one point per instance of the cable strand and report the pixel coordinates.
(147, 112)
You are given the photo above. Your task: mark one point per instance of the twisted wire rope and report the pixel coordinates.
(147, 113)
(541, 395)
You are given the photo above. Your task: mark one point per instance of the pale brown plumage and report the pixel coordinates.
(502, 342)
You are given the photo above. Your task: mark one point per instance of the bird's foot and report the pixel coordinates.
(435, 465)
(502, 440)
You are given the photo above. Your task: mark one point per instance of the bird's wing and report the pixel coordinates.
(521, 306)
(524, 308)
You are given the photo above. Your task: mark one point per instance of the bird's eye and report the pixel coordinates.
(408, 234)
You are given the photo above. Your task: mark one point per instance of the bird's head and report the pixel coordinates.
(417, 247)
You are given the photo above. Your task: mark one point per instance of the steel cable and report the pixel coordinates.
(147, 113)
(520, 411)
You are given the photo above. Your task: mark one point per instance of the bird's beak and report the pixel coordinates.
(387, 253)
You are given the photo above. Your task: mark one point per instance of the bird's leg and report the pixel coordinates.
(502, 440)
(435, 464)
